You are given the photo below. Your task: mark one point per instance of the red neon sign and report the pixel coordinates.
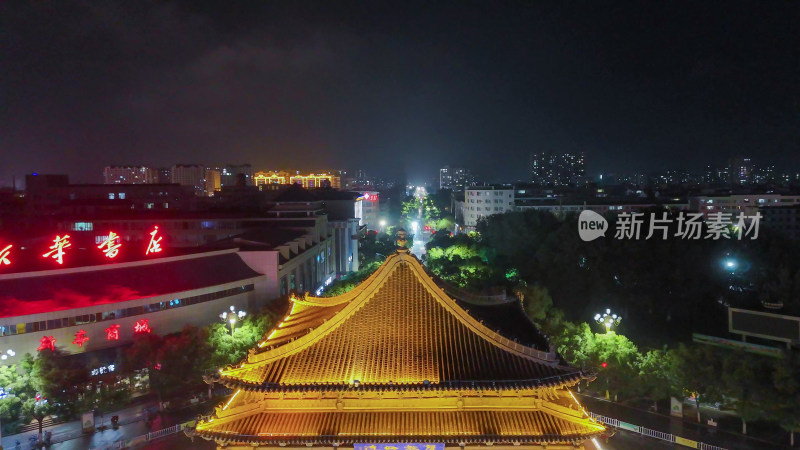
(47, 342)
(154, 246)
(141, 326)
(112, 333)
(57, 249)
(80, 338)
(4, 255)
(112, 245)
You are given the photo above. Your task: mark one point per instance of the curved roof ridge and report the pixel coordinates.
(473, 324)
(368, 287)
(366, 292)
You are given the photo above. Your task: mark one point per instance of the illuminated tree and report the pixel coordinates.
(230, 348)
(654, 370)
(38, 409)
(17, 384)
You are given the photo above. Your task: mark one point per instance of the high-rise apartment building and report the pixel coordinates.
(193, 175)
(130, 175)
(230, 174)
(455, 178)
(558, 169)
(212, 182)
(164, 175)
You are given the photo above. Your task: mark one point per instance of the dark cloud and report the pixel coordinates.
(395, 87)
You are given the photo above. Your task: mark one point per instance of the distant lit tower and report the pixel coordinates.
(455, 178)
(741, 170)
(193, 175)
(130, 175)
(558, 169)
(229, 174)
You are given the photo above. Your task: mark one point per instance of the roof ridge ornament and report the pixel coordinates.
(402, 241)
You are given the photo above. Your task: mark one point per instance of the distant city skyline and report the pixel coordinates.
(398, 89)
(755, 171)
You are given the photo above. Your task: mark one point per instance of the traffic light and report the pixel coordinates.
(604, 365)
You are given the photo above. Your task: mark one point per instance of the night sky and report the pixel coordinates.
(396, 88)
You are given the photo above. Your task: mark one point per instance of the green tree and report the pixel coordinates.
(784, 406)
(654, 371)
(38, 410)
(182, 359)
(376, 246)
(424, 210)
(536, 301)
(176, 363)
(697, 371)
(230, 348)
(17, 382)
(62, 380)
(580, 346)
(621, 357)
(445, 225)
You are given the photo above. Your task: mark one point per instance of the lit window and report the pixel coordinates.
(82, 226)
(111, 196)
(121, 196)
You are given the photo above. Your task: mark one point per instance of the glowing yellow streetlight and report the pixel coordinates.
(231, 317)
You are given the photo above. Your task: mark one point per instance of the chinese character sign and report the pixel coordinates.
(4, 255)
(47, 342)
(112, 333)
(103, 370)
(57, 249)
(80, 338)
(155, 244)
(141, 326)
(112, 245)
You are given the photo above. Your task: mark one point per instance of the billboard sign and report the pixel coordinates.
(765, 325)
(87, 422)
(737, 345)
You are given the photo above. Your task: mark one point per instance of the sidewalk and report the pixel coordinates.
(132, 423)
(71, 430)
(674, 425)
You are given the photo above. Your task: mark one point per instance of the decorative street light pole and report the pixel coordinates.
(232, 316)
(608, 319)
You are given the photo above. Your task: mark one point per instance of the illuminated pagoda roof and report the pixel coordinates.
(395, 360)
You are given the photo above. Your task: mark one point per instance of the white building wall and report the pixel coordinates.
(486, 202)
(161, 322)
(264, 262)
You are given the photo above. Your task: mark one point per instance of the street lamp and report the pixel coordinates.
(5, 355)
(382, 224)
(414, 226)
(231, 317)
(608, 319)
